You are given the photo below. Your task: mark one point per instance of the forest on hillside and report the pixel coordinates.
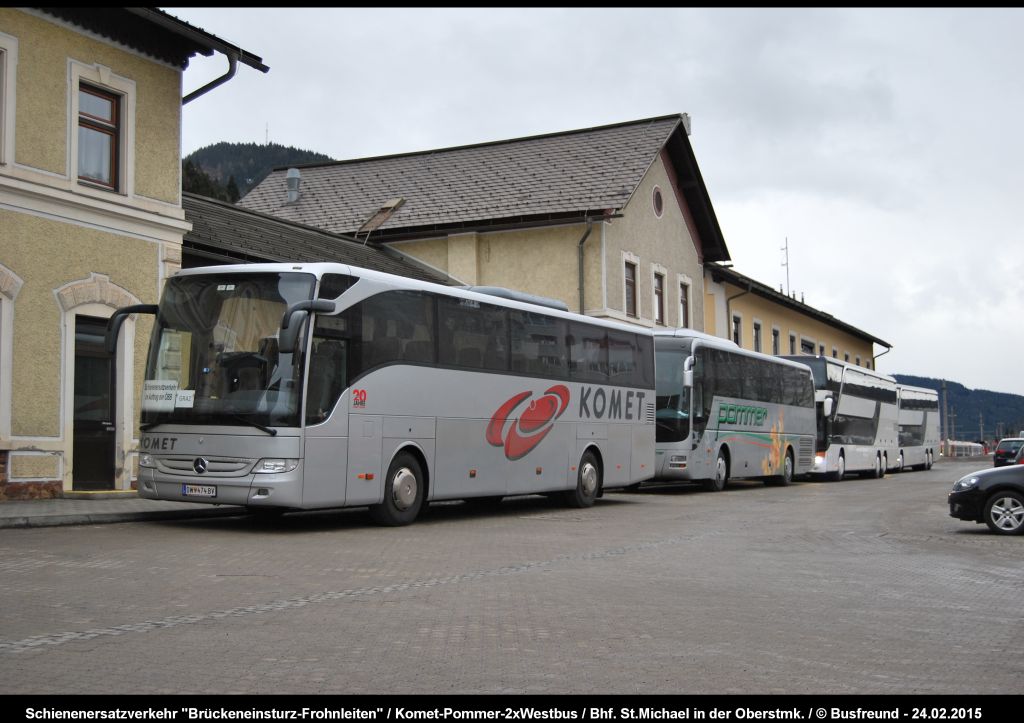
(242, 165)
(970, 410)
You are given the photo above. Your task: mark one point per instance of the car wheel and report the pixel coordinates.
(403, 493)
(718, 482)
(588, 482)
(1004, 513)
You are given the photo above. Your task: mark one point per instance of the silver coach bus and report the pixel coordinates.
(305, 386)
(918, 427)
(857, 418)
(724, 412)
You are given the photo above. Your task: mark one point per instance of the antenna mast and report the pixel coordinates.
(786, 263)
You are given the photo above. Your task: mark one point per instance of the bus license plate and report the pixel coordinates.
(198, 490)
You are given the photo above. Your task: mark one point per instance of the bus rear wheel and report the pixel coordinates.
(837, 476)
(786, 478)
(403, 493)
(588, 482)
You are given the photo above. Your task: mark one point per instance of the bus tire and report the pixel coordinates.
(928, 460)
(786, 478)
(588, 482)
(721, 478)
(403, 493)
(899, 462)
(837, 476)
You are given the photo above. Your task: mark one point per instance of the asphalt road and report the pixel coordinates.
(862, 586)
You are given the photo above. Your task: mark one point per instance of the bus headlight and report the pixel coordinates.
(275, 466)
(146, 460)
(819, 459)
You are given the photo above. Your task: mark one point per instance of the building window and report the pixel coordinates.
(757, 336)
(806, 347)
(684, 305)
(659, 298)
(99, 136)
(737, 330)
(846, 357)
(8, 63)
(858, 360)
(659, 202)
(821, 350)
(835, 353)
(867, 364)
(631, 289)
(792, 344)
(775, 342)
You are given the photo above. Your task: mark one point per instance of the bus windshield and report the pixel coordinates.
(213, 357)
(672, 414)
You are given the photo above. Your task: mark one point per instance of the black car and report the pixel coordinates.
(992, 496)
(1006, 450)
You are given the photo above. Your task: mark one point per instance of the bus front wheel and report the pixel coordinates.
(403, 493)
(718, 482)
(588, 482)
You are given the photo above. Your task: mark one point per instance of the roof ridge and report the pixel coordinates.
(521, 139)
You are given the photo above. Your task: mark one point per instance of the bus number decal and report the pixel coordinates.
(359, 398)
(529, 428)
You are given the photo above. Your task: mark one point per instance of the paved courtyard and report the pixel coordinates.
(863, 586)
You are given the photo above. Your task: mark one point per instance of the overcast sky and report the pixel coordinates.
(884, 144)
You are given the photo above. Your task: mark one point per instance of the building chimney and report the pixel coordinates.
(292, 180)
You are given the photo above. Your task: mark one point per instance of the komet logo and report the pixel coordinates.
(527, 430)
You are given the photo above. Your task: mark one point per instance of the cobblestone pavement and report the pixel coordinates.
(862, 586)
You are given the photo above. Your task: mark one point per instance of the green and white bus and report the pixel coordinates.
(308, 386)
(724, 412)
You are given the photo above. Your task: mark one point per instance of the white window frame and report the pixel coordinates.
(102, 77)
(10, 285)
(757, 335)
(794, 343)
(734, 328)
(629, 257)
(681, 281)
(776, 340)
(659, 270)
(8, 76)
(812, 341)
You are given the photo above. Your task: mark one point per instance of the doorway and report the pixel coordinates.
(93, 445)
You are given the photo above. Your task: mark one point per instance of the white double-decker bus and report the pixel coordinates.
(857, 418)
(724, 412)
(918, 427)
(306, 386)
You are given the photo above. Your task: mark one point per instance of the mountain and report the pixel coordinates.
(1001, 414)
(246, 163)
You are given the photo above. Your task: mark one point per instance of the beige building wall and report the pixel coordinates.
(540, 261)
(545, 260)
(46, 50)
(67, 249)
(727, 300)
(665, 244)
(97, 272)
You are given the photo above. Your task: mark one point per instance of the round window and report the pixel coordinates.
(659, 204)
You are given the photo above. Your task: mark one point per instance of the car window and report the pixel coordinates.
(1010, 445)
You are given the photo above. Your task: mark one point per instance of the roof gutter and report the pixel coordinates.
(232, 67)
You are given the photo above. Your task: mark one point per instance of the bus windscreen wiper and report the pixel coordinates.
(249, 422)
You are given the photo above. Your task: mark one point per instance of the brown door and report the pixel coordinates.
(93, 444)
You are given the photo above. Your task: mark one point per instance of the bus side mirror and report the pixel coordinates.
(117, 319)
(688, 373)
(290, 326)
(826, 407)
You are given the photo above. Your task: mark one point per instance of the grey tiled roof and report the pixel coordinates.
(227, 232)
(560, 175)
